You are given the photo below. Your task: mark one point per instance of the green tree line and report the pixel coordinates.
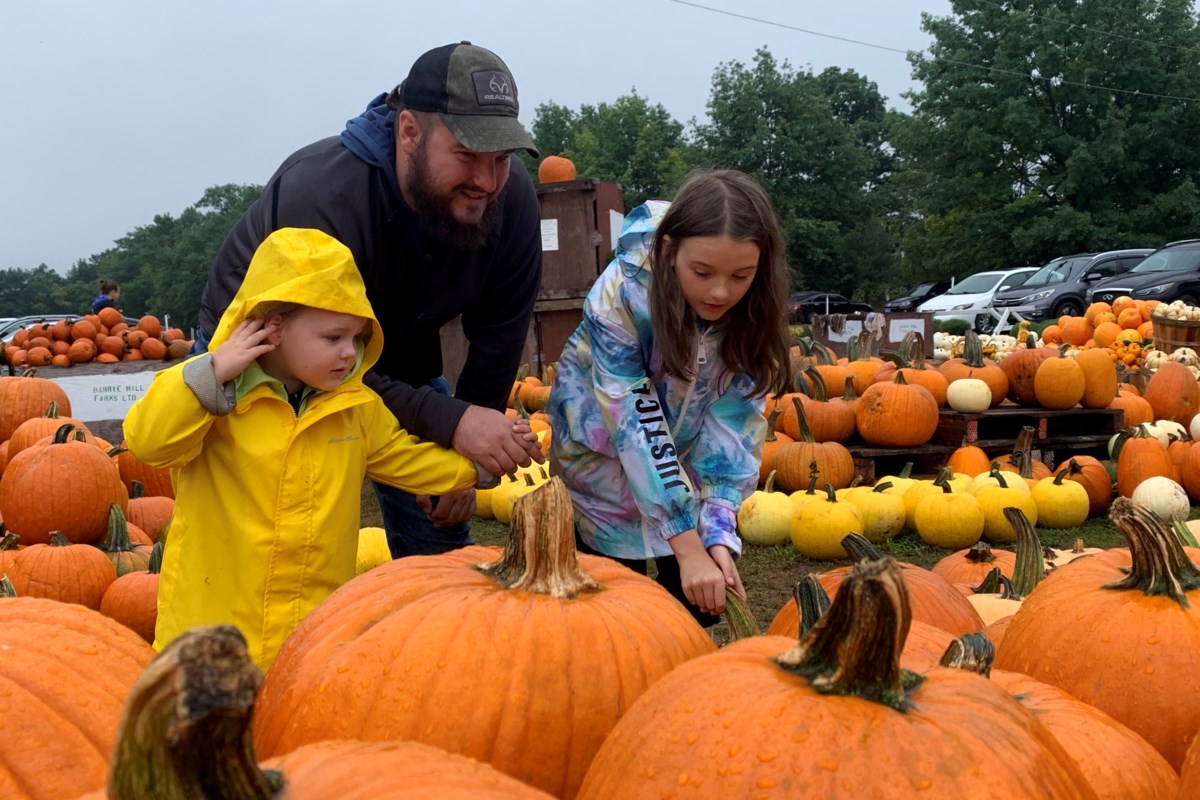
(1039, 128)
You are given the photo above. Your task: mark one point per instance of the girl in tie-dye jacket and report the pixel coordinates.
(657, 401)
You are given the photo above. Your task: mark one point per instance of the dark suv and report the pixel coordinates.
(1061, 286)
(917, 295)
(803, 306)
(1172, 272)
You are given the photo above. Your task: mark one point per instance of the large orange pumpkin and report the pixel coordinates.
(820, 719)
(1127, 646)
(896, 414)
(794, 462)
(132, 599)
(65, 676)
(185, 732)
(1021, 366)
(1117, 763)
(84, 484)
(418, 631)
(1173, 393)
(25, 396)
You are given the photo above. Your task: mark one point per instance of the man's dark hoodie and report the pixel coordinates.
(346, 186)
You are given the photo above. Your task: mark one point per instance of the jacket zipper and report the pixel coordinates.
(701, 358)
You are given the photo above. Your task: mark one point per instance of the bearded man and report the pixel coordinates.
(443, 220)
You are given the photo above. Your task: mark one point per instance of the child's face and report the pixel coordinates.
(316, 347)
(715, 272)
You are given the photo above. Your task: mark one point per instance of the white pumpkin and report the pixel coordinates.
(1151, 429)
(1194, 428)
(1173, 429)
(969, 395)
(1166, 498)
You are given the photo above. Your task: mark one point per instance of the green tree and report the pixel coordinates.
(1021, 148)
(29, 291)
(818, 146)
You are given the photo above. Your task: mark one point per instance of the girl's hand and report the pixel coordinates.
(724, 559)
(702, 578)
(247, 342)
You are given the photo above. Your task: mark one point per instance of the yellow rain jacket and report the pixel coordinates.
(267, 500)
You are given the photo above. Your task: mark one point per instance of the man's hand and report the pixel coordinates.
(247, 342)
(495, 442)
(452, 509)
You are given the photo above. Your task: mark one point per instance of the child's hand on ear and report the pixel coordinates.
(247, 342)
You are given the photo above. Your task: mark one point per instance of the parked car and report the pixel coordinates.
(1172, 272)
(1061, 286)
(917, 295)
(802, 306)
(7, 329)
(971, 298)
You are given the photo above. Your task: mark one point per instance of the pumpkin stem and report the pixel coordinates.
(1160, 565)
(802, 420)
(540, 555)
(1024, 446)
(185, 732)
(769, 486)
(57, 539)
(854, 649)
(154, 566)
(973, 653)
(137, 490)
(9, 540)
(1182, 531)
(771, 420)
(880, 487)
(117, 539)
(860, 548)
(812, 600)
(62, 433)
(817, 389)
(1031, 563)
(980, 553)
(972, 350)
(904, 473)
(990, 583)
(739, 617)
(6, 587)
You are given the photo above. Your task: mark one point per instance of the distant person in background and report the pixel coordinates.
(443, 223)
(109, 292)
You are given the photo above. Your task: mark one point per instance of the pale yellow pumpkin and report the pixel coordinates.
(881, 513)
(818, 527)
(372, 549)
(1060, 503)
(1006, 493)
(949, 519)
(765, 517)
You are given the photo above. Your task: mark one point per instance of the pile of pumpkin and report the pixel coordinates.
(895, 401)
(80, 517)
(104, 338)
(535, 672)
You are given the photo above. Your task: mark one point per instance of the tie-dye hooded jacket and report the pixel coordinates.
(646, 460)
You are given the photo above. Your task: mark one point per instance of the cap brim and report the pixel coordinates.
(489, 133)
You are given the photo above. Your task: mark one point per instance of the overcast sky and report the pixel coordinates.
(115, 111)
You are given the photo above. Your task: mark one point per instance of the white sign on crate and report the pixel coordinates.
(899, 328)
(549, 235)
(100, 397)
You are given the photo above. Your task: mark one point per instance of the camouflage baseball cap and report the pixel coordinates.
(473, 91)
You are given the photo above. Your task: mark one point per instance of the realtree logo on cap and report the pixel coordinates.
(493, 87)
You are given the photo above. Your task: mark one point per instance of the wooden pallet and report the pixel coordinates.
(998, 427)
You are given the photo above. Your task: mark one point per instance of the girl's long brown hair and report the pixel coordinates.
(724, 203)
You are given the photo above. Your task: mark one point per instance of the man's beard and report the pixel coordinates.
(436, 217)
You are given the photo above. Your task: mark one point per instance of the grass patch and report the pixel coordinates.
(770, 573)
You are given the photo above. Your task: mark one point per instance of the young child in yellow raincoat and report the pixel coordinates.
(268, 437)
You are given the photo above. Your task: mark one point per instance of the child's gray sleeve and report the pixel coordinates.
(199, 376)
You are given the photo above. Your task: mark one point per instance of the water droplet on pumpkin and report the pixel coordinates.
(343, 667)
(921, 783)
(767, 758)
(764, 783)
(1149, 670)
(830, 764)
(692, 737)
(682, 779)
(89, 649)
(1153, 639)
(650, 773)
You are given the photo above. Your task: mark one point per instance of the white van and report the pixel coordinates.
(970, 298)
